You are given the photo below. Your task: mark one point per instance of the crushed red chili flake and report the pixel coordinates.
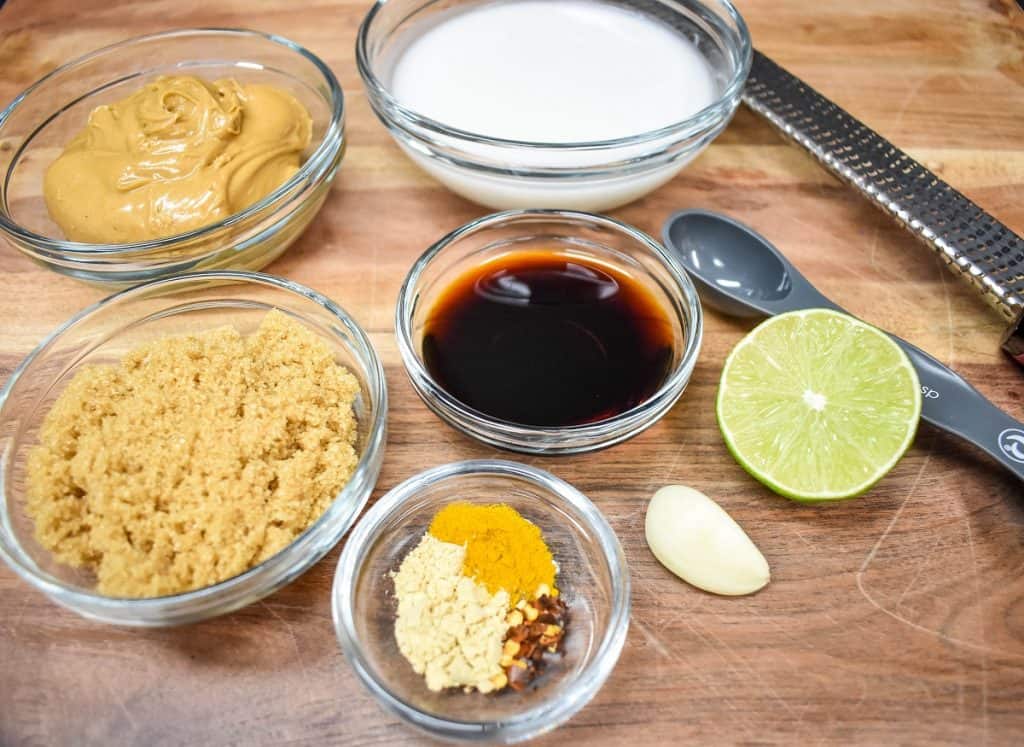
(537, 630)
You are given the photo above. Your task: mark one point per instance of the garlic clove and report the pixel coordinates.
(697, 540)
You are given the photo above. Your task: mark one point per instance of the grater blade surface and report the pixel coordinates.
(973, 244)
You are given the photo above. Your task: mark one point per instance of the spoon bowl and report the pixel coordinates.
(718, 254)
(736, 270)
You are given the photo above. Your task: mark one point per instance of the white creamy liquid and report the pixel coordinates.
(553, 71)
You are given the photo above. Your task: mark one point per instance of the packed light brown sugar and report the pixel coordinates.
(194, 458)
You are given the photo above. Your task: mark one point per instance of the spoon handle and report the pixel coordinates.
(947, 401)
(950, 403)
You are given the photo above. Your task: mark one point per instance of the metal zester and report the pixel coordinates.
(973, 244)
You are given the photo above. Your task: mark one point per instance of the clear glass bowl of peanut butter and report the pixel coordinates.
(180, 151)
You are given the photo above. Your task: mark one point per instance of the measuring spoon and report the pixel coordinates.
(740, 273)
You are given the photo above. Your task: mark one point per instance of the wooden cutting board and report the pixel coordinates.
(896, 618)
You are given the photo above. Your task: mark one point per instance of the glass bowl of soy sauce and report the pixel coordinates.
(548, 331)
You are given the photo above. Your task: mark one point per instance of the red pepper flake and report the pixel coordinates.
(536, 632)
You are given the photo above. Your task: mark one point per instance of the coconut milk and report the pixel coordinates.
(553, 71)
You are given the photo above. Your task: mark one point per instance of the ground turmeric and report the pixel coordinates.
(503, 550)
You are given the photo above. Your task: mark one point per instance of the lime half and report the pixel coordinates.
(818, 405)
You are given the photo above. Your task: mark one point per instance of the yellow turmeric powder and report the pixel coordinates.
(503, 550)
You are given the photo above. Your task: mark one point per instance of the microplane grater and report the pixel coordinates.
(972, 243)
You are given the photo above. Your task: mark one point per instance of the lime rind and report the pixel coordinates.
(817, 405)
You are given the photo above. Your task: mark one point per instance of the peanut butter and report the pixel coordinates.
(177, 155)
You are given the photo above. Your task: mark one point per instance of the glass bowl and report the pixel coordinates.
(598, 175)
(598, 238)
(103, 333)
(593, 580)
(37, 125)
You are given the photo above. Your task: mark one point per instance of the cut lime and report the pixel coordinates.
(818, 405)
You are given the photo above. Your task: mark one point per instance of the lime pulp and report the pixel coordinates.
(817, 405)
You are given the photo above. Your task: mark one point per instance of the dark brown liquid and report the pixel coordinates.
(537, 338)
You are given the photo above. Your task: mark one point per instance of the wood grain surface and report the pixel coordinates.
(896, 618)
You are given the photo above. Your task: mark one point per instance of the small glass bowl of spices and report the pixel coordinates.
(482, 601)
(548, 331)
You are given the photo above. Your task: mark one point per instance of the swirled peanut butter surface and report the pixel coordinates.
(177, 155)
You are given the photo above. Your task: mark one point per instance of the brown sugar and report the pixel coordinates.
(194, 458)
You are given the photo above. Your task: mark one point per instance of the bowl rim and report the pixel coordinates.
(705, 118)
(573, 438)
(549, 713)
(328, 146)
(365, 473)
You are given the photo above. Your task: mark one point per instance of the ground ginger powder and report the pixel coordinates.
(504, 551)
(194, 458)
(449, 627)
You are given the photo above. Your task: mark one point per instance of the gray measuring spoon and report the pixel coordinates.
(740, 273)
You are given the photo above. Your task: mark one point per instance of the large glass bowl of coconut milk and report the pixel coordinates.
(574, 104)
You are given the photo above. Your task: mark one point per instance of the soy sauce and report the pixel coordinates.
(544, 339)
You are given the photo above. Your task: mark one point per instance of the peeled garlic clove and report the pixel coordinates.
(697, 540)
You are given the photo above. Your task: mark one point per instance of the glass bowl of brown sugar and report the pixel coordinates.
(548, 331)
(592, 581)
(165, 500)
